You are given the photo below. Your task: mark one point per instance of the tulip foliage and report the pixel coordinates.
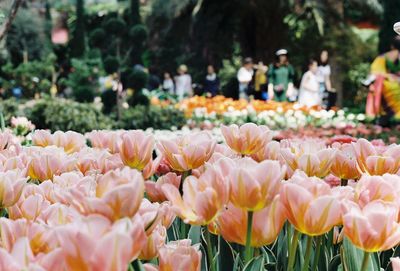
(127, 200)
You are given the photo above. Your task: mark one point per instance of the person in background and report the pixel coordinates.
(211, 82)
(154, 81)
(328, 96)
(183, 83)
(260, 82)
(245, 76)
(168, 83)
(281, 77)
(383, 100)
(310, 86)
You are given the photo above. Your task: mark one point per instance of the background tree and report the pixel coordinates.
(391, 15)
(78, 41)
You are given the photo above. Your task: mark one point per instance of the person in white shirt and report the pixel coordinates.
(183, 83)
(245, 76)
(168, 83)
(309, 87)
(324, 78)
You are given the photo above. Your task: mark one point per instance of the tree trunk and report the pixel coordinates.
(7, 24)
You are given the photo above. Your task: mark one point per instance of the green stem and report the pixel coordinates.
(317, 253)
(185, 174)
(209, 250)
(308, 253)
(344, 182)
(292, 250)
(248, 250)
(365, 262)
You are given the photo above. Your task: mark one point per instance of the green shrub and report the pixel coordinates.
(60, 114)
(83, 80)
(9, 108)
(143, 117)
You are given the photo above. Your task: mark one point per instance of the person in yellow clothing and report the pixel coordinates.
(260, 82)
(384, 97)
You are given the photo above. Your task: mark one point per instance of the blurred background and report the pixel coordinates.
(71, 43)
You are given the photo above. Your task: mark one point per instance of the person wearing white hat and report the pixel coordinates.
(245, 76)
(281, 77)
(183, 83)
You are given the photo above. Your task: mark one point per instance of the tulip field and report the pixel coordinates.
(239, 200)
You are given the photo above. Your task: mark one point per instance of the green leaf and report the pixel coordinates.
(256, 264)
(353, 258)
(195, 234)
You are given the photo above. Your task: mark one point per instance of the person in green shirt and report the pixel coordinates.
(280, 78)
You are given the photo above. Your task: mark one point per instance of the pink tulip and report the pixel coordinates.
(395, 263)
(154, 241)
(203, 197)
(246, 139)
(108, 140)
(136, 149)
(376, 160)
(154, 191)
(70, 141)
(344, 164)
(118, 194)
(29, 207)
(371, 188)
(187, 152)
(270, 151)
(267, 224)
(22, 258)
(309, 156)
(91, 161)
(254, 185)
(374, 227)
(180, 255)
(11, 185)
(311, 206)
(42, 138)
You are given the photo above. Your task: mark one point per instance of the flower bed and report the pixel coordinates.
(113, 200)
(207, 113)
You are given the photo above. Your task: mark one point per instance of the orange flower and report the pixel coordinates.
(344, 165)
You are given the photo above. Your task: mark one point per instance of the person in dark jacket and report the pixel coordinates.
(211, 82)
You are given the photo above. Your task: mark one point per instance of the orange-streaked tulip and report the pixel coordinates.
(344, 164)
(254, 185)
(267, 224)
(370, 188)
(187, 152)
(154, 191)
(376, 160)
(246, 139)
(136, 149)
(374, 227)
(203, 198)
(311, 206)
(11, 186)
(180, 255)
